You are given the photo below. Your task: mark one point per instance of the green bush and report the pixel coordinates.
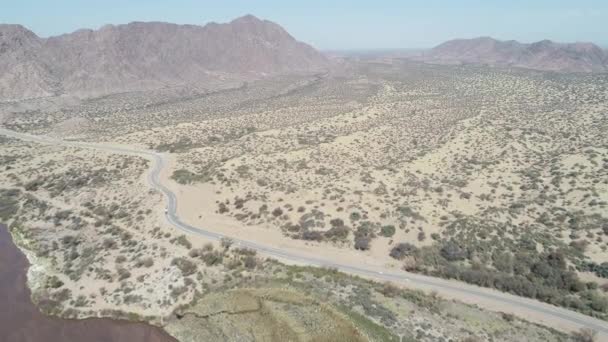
(387, 231)
(183, 176)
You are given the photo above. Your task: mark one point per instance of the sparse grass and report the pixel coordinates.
(374, 331)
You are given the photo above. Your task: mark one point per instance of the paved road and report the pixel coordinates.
(556, 317)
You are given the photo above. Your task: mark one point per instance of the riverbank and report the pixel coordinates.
(20, 319)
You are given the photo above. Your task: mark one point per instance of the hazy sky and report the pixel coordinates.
(339, 24)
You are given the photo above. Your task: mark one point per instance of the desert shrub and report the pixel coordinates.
(195, 253)
(306, 222)
(262, 182)
(186, 266)
(362, 243)
(339, 233)
(70, 241)
(212, 258)
(146, 262)
(232, 264)
(132, 299)
(312, 235)
(390, 290)
(507, 316)
(120, 259)
(559, 287)
(408, 212)
(387, 231)
(226, 243)
(53, 282)
(421, 236)
(250, 262)
(277, 212)
(80, 301)
(123, 274)
(363, 297)
(245, 251)
(579, 245)
(9, 203)
(596, 301)
(452, 252)
(182, 240)
(222, 208)
(109, 243)
(183, 176)
(402, 250)
(601, 270)
(63, 214)
(364, 235)
(181, 145)
(33, 185)
(503, 261)
(584, 335)
(337, 222)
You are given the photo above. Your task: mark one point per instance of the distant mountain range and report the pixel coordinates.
(542, 55)
(144, 56)
(140, 56)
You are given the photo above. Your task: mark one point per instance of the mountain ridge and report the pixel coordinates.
(145, 55)
(544, 55)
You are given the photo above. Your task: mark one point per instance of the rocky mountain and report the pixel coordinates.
(146, 55)
(542, 55)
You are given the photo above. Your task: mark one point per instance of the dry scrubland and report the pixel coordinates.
(494, 177)
(98, 247)
(91, 230)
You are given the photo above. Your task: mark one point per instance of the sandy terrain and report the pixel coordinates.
(494, 177)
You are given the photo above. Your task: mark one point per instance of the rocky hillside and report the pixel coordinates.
(145, 56)
(542, 55)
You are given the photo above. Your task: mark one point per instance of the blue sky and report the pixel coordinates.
(339, 24)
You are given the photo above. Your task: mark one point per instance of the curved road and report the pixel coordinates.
(532, 310)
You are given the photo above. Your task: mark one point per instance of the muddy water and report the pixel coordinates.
(20, 320)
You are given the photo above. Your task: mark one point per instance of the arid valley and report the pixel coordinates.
(294, 196)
